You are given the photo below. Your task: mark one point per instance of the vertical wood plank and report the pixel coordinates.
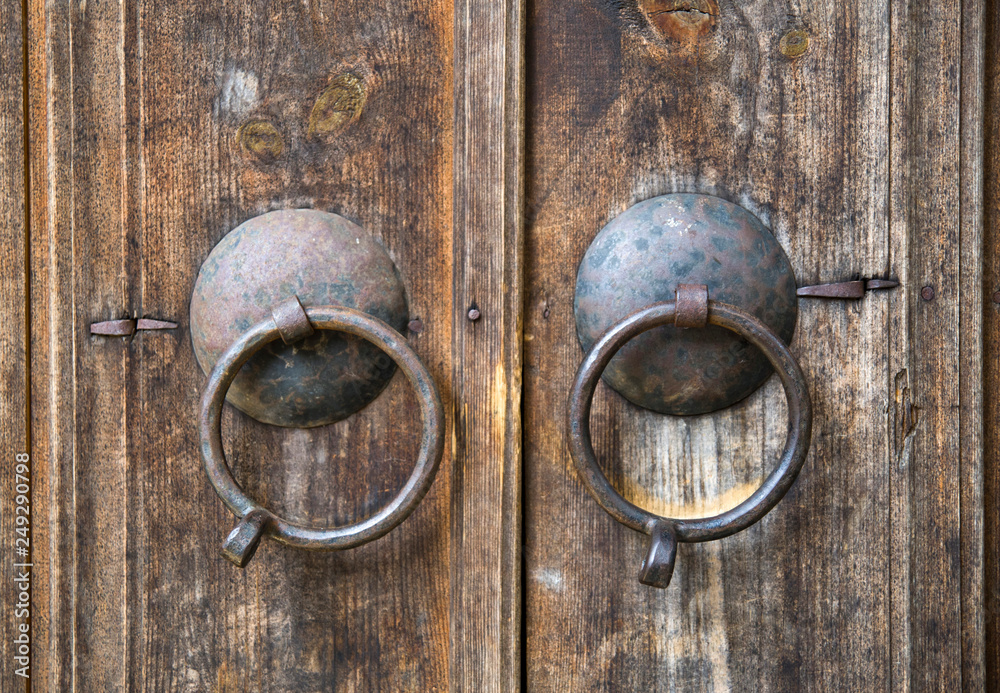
(621, 113)
(991, 343)
(51, 349)
(486, 519)
(83, 182)
(937, 347)
(971, 351)
(14, 438)
(137, 107)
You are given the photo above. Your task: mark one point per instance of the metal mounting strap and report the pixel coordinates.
(692, 305)
(292, 321)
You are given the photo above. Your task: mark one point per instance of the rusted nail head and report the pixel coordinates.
(474, 314)
(416, 326)
(927, 293)
(996, 296)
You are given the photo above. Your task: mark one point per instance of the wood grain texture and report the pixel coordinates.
(935, 222)
(486, 502)
(864, 577)
(991, 343)
(972, 356)
(862, 153)
(144, 160)
(13, 354)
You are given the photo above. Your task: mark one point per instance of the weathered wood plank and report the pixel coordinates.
(856, 580)
(52, 346)
(991, 343)
(936, 347)
(770, 134)
(14, 436)
(486, 502)
(137, 109)
(972, 357)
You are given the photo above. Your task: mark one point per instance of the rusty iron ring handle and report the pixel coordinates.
(665, 532)
(255, 520)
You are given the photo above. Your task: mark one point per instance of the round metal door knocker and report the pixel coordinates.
(694, 299)
(326, 351)
(325, 260)
(640, 258)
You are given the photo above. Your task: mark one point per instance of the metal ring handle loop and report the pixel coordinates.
(666, 532)
(255, 520)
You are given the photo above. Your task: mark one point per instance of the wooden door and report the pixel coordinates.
(853, 130)
(142, 159)
(492, 142)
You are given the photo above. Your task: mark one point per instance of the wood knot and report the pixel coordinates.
(684, 21)
(794, 43)
(261, 139)
(339, 105)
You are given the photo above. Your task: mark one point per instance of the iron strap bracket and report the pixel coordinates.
(853, 289)
(128, 327)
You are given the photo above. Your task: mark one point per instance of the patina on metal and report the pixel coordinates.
(692, 305)
(257, 521)
(292, 322)
(324, 259)
(665, 532)
(642, 256)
